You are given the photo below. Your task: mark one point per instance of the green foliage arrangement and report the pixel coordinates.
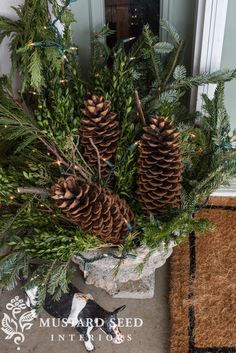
(33, 30)
(39, 140)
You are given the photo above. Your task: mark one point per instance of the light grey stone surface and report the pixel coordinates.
(135, 278)
(152, 337)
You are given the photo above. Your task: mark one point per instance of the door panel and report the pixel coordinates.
(90, 18)
(181, 14)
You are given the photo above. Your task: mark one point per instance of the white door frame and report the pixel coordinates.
(209, 39)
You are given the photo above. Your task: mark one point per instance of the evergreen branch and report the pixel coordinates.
(155, 63)
(150, 41)
(59, 279)
(204, 78)
(136, 48)
(172, 31)
(35, 27)
(176, 228)
(35, 69)
(11, 267)
(180, 73)
(163, 47)
(10, 222)
(216, 164)
(18, 124)
(8, 26)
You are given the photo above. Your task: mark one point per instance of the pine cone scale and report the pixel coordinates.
(100, 125)
(97, 210)
(160, 167)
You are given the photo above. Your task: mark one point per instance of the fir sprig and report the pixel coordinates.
(155, 233)
(12, 266)
(214, 162)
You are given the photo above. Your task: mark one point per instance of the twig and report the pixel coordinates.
(53, 150)
(73, 155)
(16, 101)
(174, 63)
(139, 108)
(75, 146)
(98, 156)
(33, 190)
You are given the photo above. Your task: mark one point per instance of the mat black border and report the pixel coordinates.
(191, 311)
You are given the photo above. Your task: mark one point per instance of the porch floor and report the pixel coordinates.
(152, 337)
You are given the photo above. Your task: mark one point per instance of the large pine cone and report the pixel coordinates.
(160, 167)
(100, 124)
(95, 209)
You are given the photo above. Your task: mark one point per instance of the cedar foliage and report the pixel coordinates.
(37, 48)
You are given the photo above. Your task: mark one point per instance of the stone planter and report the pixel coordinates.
(135, 277)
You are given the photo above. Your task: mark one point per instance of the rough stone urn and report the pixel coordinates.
(133, 277)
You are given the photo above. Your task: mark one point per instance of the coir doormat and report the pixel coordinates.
(203, 286)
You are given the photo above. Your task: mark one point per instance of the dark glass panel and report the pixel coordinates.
(127, 17)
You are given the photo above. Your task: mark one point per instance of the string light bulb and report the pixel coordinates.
(128, 225)
(34, 93)
(64, 57)
(137, 143)
(108, 163)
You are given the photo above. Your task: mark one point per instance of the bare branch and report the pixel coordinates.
(77, 152)
(33, 190)
(52, 148)
(139, 108)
